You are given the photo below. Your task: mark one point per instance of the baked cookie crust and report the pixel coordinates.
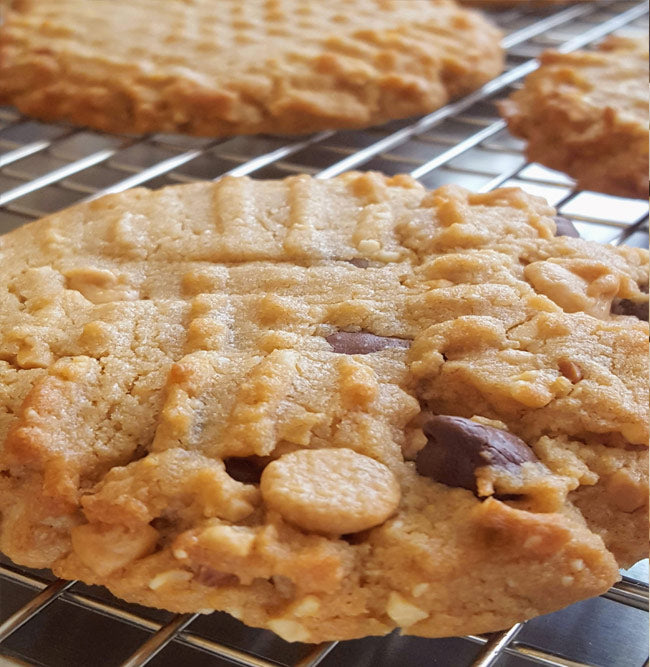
(519, 3)
(586, 114)
(217, 69)
(242, 396)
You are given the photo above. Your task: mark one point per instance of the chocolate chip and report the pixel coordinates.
(570, 369)
(360, 262)
(347, 342)
(208, 576)
(284, 586)
(162, 524)
(139, 453)
(637, 309)
(356, 538)
(565, 227)
(456, 447)
(243, 469)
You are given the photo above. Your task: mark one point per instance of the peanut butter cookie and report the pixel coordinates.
(230, 67)
(329, 408)
(586, 113)
(491, 4)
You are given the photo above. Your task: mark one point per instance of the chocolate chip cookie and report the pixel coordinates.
(586, 113)
(329, 408)
(211, 68)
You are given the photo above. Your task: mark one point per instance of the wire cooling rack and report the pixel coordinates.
(44, 168)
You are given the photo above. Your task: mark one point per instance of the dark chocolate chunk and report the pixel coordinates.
(208, 576)
(456, 447)
(637, 309)
(162, 524)
(565, 227)
(361, 342)
(360, 262)
(139, 453)
(243, 469)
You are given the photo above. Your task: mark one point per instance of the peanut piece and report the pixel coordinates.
(403, 612)
(570, 369)
(626, 492)
(290, 631)
(105, 548)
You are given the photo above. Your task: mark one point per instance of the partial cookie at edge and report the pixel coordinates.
(586, 113)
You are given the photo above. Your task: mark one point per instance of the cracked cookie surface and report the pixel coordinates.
(247, 396)
(223, 68)
(586, 113)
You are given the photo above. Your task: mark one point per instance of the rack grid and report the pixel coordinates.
(46, 167)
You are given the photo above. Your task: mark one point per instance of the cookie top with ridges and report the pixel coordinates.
(176, 365)
(232, 67)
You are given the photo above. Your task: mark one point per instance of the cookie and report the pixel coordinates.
(586, 113)
(328, 407)
(217, 69)
(519, 3)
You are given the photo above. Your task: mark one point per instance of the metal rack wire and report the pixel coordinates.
(44, 168)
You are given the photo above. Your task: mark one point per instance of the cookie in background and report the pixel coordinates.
(210, 68)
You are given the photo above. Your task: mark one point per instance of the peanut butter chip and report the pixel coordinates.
(330, 490)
